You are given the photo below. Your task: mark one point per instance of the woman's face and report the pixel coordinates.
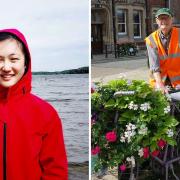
(12, 62)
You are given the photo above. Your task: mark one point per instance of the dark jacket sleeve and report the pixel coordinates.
(53, 158)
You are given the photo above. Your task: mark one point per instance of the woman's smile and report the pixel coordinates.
(7, 77)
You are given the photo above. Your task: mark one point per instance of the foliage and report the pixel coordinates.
(126, 48)
(134, 124)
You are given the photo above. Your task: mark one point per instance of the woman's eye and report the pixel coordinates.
(14, 59)
(1, 60)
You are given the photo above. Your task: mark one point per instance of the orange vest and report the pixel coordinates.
(169, 63)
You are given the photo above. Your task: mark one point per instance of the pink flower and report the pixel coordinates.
(95, 150)
(111, 136)
(122, 167)
(155, 153)
(146, 152)
(161, 143)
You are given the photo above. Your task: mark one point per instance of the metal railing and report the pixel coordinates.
(127, 49)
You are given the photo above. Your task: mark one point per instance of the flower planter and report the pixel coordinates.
(130, 123)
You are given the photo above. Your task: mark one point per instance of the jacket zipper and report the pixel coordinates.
(4, 153)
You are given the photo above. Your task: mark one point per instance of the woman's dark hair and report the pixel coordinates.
(6, 35)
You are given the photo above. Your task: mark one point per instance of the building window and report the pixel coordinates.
(154, 24)
(121, 22)
(137, 23)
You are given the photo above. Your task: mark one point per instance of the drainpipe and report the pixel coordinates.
(114, 26)
(147, 18)
(169, 4)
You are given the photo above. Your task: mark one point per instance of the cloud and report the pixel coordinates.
(54, 30)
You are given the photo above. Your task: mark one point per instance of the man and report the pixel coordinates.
(163, 48)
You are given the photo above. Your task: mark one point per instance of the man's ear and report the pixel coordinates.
(156, 20)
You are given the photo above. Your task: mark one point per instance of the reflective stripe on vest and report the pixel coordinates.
(176, 55)
(152, 41)
(175, 78)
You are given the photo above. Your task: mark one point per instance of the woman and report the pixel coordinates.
(31, 138)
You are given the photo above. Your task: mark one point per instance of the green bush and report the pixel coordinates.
(132, 126)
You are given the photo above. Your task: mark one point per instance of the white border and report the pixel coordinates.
(89, 40)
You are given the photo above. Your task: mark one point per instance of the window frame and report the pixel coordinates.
(125, 21)
(140, 24)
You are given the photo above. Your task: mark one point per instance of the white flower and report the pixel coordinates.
(128, 127)
(131, 105)
(167, 109)
(135, 107)
(128, 159)
(133, 133)
(145, 106)
(127, 134)
(123, 139)
(170, 133)
(129, 140)
(133, 127)
(131, 160)
(143, 130)
(140, 152)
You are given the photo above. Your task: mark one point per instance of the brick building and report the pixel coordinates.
(133, 19)
(129, 22)
(151, 7)
(174, 6)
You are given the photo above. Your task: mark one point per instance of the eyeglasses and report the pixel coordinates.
(160, 18)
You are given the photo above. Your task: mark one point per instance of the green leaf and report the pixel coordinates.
(110, 103)
(171, 122)
(171, 141)
(127, 114)
(153, 146)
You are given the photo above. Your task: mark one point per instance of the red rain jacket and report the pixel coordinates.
(31, 137)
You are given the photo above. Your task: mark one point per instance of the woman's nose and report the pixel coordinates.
(6, 66)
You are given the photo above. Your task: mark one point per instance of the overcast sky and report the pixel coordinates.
(56, 31)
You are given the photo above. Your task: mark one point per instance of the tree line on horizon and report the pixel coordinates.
(82, 70)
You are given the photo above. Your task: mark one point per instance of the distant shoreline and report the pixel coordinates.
(81, 70)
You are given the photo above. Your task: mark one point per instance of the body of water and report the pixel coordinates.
(69, 96)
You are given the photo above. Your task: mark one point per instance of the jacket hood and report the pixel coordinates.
(23, 86)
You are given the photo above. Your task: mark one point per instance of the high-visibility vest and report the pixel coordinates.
(169, 63)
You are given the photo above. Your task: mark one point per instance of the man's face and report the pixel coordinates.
(164, 22)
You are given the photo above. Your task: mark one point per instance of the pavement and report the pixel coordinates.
(131, 67)
(106, 69)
